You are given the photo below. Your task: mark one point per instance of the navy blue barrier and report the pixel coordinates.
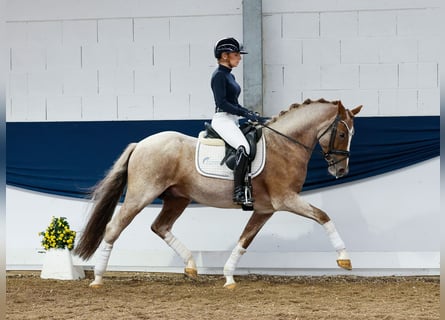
(69, 158)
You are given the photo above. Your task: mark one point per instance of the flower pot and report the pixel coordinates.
(58, 264)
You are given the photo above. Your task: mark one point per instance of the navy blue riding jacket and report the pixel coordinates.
(226, 92)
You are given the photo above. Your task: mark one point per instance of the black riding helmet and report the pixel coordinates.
(228, 45)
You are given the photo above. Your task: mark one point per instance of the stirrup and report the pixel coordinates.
(246, 201)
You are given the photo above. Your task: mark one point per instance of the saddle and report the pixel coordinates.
(252, 134)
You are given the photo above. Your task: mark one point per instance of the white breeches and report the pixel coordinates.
(226, 125)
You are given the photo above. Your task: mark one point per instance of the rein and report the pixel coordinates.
(287, 137)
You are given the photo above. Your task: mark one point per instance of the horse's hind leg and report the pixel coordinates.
(254, 225)
(114, 228)
(171, 210)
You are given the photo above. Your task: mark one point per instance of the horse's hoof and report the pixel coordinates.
(230, 286)
(345, 264)
(96, 285)
(191, 273)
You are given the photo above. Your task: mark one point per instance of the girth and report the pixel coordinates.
(251, 132)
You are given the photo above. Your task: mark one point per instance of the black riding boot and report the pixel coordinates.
(239, 175)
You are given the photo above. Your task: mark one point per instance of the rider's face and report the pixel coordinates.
(231, 59)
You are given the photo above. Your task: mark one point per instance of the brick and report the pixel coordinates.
(273, 77)
(360, 51)
(376, 76)
(135, 56)
(116, 81)
(422, 22)
(63, 57)
(171, 106)
(171, 55)
(321, 51)
(408, 75)
(377, 23)
(79, 32)
(272, 27)
(282, 52)
(43, 33)
(63, 108)
(135, 107)
(115, 31)
(339, 76)
(27, 59)
(428, 75)
(201, 55)
(148, 31)
(338, 24)
(205, 28)
(278, 100)
(191, 79)
(202, 105)
(27, 108)
(99, 107)
(17, 84)
(396, 102)
(414, 75)
(45, 83)
(429, 49)
(17, 34)
(152, 80)
(394, 50)
(429, 102)
(96, 56)
(301, 25)
(84, 82)
(302, 77)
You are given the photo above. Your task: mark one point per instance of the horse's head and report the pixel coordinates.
(335, 141)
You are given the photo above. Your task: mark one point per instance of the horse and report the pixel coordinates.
(162, 166)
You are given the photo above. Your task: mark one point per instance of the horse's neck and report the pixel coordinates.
(305, 122)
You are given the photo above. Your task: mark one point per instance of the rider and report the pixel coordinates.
(226, 91)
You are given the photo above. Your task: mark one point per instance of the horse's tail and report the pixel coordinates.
(106, 195)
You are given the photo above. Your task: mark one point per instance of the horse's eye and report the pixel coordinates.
(342, 135)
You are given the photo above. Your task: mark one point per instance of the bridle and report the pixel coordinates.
(327, 155)
(331, 149)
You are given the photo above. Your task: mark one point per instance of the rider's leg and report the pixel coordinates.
(227, 127)
(239, 175)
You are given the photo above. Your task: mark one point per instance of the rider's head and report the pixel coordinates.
(228, 51)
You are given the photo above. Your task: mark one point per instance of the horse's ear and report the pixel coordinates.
(341, 110)
(356, 110)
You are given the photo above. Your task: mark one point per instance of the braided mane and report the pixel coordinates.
(297, 105)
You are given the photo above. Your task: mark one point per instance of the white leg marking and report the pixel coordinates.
(229, 267)
(180, 249)
(336, 241)
(101, 264)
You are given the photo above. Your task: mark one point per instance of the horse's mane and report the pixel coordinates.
(298, 105)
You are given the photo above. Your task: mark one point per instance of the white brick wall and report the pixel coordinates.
(86, 62)
(381, 54)
(146, 60)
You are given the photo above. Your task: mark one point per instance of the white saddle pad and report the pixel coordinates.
(210, 152)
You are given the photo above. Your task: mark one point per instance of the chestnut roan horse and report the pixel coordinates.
(163, 165)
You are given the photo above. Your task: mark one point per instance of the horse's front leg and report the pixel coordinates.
(301, 207)
(254, 225)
